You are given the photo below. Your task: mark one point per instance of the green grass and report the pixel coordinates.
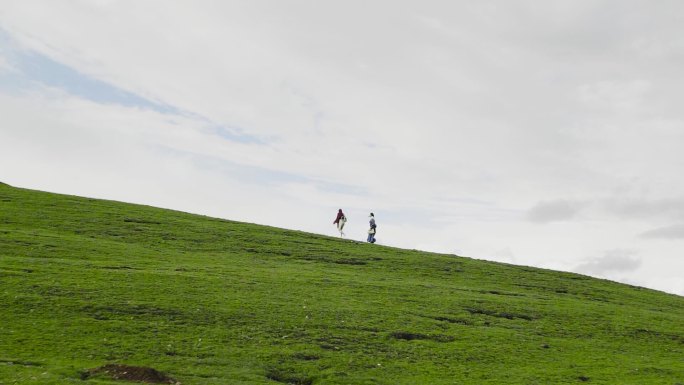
(86, 282)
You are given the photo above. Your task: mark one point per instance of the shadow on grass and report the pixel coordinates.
(407, 336)
(496, 314)
(288, 377)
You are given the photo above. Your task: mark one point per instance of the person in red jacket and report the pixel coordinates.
(340, 221)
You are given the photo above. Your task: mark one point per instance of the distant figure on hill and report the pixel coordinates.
(371, 231)
(340, 221)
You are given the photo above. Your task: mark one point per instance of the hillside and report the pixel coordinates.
(87, 286)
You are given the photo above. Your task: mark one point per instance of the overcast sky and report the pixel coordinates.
(543, 133)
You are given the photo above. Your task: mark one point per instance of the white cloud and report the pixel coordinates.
(640, 208)
(667, 232)
(5, 66)
(612, 261)
(623, 97)
(552, 211)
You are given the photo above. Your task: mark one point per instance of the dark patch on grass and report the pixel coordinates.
(129, 373)
(104, 312)
(331, 342)
(338, 261)
(57, 291)
(143, 221)
(112, 233)
(659, 371)
(442, 338)
(288, 377)
(357, 328)
(20, 363)
(303, 356)
(658, 334)
(496, 292)
(327, 346)
(23, 243)
(407, 336)
(452, 269)
(598, 299)
(117, 268)
(15, 271)
(350, 261)
(584, 378)
(506, 315)
(453, 320)
(577, 277)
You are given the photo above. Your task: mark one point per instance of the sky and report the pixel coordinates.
(544, 134)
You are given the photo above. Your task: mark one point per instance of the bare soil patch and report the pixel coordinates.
(287, 377)
(131, 373)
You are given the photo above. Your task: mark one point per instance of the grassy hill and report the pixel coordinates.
(88, 286)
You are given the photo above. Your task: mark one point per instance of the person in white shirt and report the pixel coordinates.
(371, 231)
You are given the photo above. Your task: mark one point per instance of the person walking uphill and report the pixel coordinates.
(371, 231)
(340, 221)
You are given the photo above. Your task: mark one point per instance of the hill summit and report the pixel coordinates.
(99, 292)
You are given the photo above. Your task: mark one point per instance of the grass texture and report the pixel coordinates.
(89, 284)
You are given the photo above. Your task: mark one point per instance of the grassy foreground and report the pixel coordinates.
(86, 283)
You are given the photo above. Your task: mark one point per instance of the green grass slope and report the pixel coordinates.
(85, 283)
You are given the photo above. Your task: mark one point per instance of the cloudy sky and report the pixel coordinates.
(536, 133)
